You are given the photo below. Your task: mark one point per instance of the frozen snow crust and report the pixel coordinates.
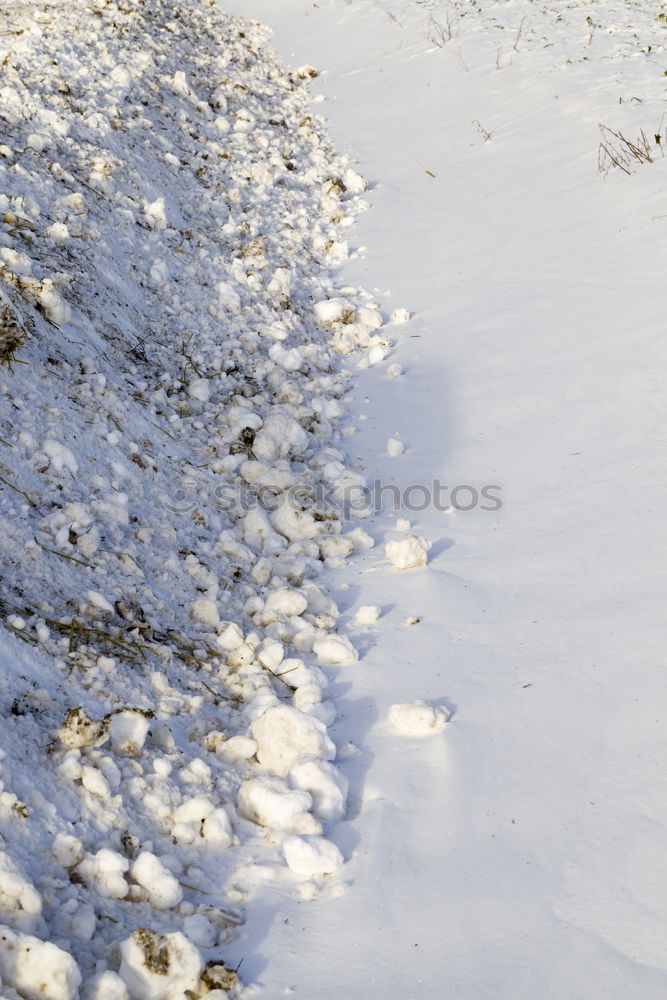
(170, 214)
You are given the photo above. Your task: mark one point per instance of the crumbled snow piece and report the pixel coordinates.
(360, 539)
(200, 931)
(107, 870)
(205, 612)
(329, 311)
(408, 553)
(128, 731)
(285, 734)
(395, 447)
(336, 650)
(61, 457)
(400, 315)
(231, 636)
(107, 986)
(159, 966)
(162, 888)
(200, 388)
(312, 857)
(417, 718)
(67, 850)
(402, 524)
(324, 783)
(289, 603)
(268, 802)
(36, 969)
(58, 232)
(367, 614)
(235, 750)
(97, 600)
(393, 371)
(18, 895)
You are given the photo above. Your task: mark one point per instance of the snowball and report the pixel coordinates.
(402, 524)
(393, 371)
(367, 614)
(417, 718)
(37, 969)
(162, 888)
(395, 447)
(310, 857)
(128, 731)
(408, 553)
(159, 966)
(324, 783)
(400, 315)
(284, 734)
(267, 802)
(205, 612)
(336, 650)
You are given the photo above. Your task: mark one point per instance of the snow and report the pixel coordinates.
(367, 614)
(335, 649)
(201, 368)
(128, 731)
(161, 887)
(36, 969)
(417, 718)
(409, 552)
(284, 735)
(159, 967)
(312, 857)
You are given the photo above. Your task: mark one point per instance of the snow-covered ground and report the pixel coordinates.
(453, 787)
(522, 852)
